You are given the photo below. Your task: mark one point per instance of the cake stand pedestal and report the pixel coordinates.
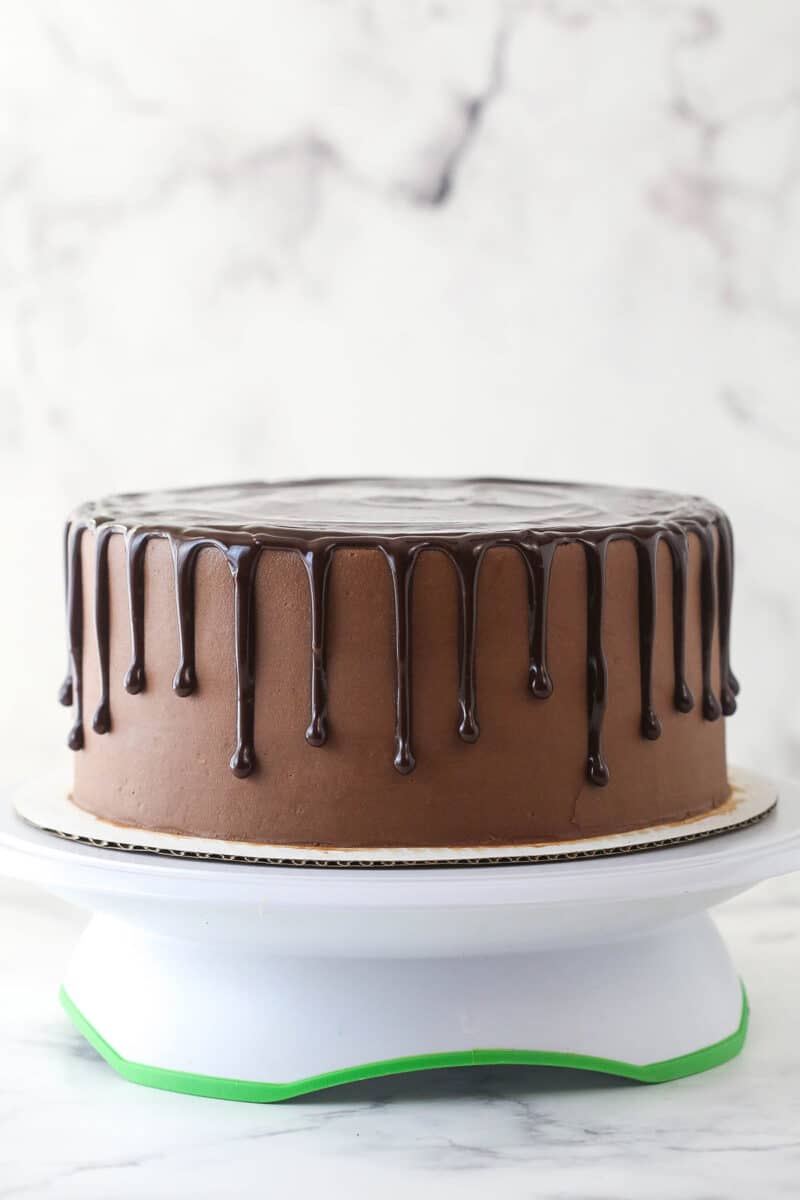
(262, 983)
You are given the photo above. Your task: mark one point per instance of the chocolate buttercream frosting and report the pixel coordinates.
(401, 520)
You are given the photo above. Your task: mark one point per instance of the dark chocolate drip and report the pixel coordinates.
(646, 553)
(184, 559)
(65, 691)
(243, 561)
(596, 667)
(317, 562)
(542, 518)
(708, 601)
(468, 565)
(729, 685)
(402, 559)
(136, 544)
(75, 737)
(679, 549)
(538, 560)
(101, 721)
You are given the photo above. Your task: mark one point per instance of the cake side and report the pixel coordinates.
(496, 756)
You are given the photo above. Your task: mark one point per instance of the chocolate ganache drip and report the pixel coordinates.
(402, 519)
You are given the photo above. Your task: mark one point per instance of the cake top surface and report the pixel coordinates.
(397, 507)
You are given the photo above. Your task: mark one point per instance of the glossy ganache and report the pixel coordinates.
(402, 519)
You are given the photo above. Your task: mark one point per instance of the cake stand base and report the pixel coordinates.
(264, 982)
(184, 1016)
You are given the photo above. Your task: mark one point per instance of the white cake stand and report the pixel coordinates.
(261, 983)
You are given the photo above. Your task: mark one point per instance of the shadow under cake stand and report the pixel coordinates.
(257, 982)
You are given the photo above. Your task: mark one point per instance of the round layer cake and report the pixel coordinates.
(388, 663)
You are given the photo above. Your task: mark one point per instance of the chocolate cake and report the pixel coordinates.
(364, 663)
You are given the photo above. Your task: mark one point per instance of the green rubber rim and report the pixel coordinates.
(249, 1090)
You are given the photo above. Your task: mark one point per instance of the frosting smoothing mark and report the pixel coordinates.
(401, 519)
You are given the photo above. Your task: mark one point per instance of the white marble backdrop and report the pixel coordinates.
(266, 238)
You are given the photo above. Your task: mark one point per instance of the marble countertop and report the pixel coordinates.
(70, 1128)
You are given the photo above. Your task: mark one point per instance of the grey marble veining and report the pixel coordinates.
(70, 1128)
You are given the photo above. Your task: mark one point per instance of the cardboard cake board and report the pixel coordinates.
(46, 803)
